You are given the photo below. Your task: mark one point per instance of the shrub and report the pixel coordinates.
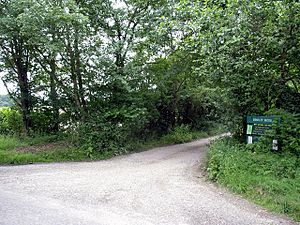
(110, 131)
(10, 122)
(287, 132)
(41, 122)
(179, 134)
(102, 136)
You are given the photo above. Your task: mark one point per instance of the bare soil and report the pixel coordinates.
(42, 147)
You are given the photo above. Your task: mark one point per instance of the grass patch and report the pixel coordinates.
(58, 155)
(11, 142)
(8, 142)
(52, 148)
(266, 178)
(10, 155)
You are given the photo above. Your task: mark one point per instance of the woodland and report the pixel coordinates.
(91, 79)
(110, 72)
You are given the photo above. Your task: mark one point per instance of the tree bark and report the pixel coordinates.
(54, 96)
(21, 63)
(79, 77)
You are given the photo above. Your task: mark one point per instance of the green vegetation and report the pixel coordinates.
(10, 121)
(40, 149)
(153, 68)
(43, 149)
(271, 179)
(105, 85)
(7, 143)
(112, 78)
(60, 154)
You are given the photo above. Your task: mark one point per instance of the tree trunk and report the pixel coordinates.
(54, 97)
(25, 99)
(74, 80)
(20, 58)
(79, 77)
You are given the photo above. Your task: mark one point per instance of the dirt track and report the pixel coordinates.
(160, 186)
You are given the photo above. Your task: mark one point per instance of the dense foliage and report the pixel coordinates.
(112, 76)
(10, 122)
(250, 48)
(105, 72)
(108, 72)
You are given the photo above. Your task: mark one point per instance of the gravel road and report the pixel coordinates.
(161, 186)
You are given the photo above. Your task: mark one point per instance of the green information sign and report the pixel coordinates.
(257, 127)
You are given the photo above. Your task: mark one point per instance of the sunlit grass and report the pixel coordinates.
(266, 178)
(9, 142)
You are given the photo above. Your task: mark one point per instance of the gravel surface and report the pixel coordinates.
(161, 186)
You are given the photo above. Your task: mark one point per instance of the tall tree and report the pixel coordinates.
(248, 47)
(56, 30)
(16, 54)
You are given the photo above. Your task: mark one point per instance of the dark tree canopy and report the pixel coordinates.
(134, 68)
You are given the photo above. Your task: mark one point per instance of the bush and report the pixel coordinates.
(112, 131)
(287, 132)
(180, 134)
(10, 122)
(102, 136)
(41, 122)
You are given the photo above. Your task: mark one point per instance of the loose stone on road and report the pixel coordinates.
(160, 186)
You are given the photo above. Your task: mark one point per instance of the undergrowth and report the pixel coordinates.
(9, 145)
(271, 179)
(10, 155)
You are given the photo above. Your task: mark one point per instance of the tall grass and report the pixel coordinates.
(61, 153)
(10, 142)
(267, 178)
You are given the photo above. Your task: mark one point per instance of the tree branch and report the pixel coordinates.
(10, 94)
